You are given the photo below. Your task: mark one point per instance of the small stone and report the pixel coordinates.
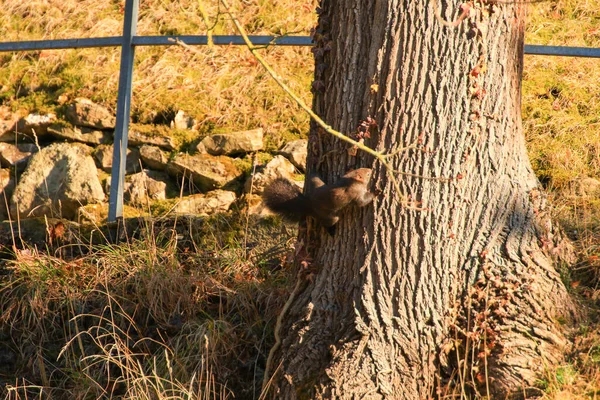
(13, 126)
(157, 138)
(205, 204)
(11, 156)
(153, 157)
(7, 186)
(256, 206)
(104, 159)
(278, 167)
(145, 186)
(182, 121)
(232, 143)
(296, 152)
(85, 112)
(77, 134)
(8, 122)
(206, 171)
(5, 179)
(36, 124)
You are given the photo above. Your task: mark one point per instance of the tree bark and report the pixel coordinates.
(401, 298)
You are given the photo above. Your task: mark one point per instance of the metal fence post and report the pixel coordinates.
(115, 204)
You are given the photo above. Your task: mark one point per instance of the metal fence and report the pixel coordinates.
(129, 41)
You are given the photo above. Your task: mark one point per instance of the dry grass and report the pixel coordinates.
(146, 319)
(561, 113)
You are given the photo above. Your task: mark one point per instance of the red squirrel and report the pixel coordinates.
(324, 202)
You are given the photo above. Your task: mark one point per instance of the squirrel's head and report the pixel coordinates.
(361, 174)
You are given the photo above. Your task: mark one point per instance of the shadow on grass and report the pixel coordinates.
(144, 309)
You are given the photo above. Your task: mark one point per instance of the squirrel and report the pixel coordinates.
(324, 202)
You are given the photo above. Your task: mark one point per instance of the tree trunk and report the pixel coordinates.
(402, 297)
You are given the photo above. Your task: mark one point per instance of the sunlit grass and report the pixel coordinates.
(561, 114)
(221, 87)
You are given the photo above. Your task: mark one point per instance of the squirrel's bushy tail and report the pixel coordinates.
(285, 198)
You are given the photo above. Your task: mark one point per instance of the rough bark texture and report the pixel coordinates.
(396, 287)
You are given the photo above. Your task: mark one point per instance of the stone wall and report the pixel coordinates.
(61, 167)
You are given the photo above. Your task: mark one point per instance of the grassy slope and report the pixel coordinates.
(561, 114)
(221, 87)
(229, 304)
(561, 97)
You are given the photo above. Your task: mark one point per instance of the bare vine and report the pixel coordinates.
(465, 7)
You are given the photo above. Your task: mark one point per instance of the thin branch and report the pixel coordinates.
(209, 29)
(453, 24)
(428, 178)
(517, 1)
(412, 146)
(253, 49)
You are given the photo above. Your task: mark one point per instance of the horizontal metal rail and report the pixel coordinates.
(31, 45)
(564, 51)
(115, 41)
(221, 40)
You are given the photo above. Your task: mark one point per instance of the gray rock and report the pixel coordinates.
(278, 167)
(12, 125)
(58, 180)
(84, 112)
(137, 138)
(296, 151)
(35, 124)
(145, 186)
(182, 121)
(255, 205)
(153, 157)
(206, 171)
(7, 186)
(232, 143)
(8, 136)
(5, 179)
(8, 122)
(80, 134)
(587, 187)
(205, 204)
(12, 156)
(104, 159)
